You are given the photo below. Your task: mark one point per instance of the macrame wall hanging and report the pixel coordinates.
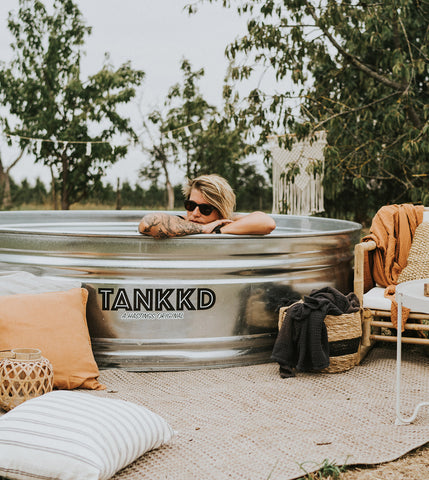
(298, 175)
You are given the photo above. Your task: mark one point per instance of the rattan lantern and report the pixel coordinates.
(24, 374)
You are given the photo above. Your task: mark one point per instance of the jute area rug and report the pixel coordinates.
(246, 423)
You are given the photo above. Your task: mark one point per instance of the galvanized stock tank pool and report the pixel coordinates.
(192, 302)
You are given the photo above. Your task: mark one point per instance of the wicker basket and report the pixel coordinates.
(24, 374)
(344, 337)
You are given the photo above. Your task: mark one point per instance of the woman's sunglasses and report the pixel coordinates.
(205, 208)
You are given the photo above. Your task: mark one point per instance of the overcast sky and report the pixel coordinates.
(155, 35)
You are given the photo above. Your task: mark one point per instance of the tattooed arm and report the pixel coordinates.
(163, 225)
(255, 223)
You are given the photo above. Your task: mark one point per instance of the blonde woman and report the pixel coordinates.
(209, 204)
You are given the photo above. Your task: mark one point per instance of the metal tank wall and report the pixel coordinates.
(192, 302)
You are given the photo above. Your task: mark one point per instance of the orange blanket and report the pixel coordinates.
(393, 229)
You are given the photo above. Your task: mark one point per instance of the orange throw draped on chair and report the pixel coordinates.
(393, 229)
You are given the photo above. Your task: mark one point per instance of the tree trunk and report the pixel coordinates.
(5, 181)
(65, 203)
(53, 190)
(2, 181)
(168, 186)
(118, 195)
(170, 195)
(162, 158)
(7, 198)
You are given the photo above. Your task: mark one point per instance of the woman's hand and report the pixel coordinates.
(209, 227)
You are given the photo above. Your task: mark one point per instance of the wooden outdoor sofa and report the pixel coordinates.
(376, 311)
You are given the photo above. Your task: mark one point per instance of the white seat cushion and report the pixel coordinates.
(426, 215)
(376, 300)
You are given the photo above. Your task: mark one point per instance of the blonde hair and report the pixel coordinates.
(216, 190)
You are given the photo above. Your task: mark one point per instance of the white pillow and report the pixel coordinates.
(67, 435)
(20, 282)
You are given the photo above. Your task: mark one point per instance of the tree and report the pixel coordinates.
(6, 197)
(171, 144)
(193, 135)
(47, 99)
(253, 193)
(360, 71)
(39, 193)
(159, 160)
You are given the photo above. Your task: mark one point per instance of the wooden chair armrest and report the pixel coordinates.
(359, 265)
(369, 245)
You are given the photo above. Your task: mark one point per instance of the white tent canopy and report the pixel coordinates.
(304, 194)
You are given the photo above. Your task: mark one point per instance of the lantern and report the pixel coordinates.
(24, 374)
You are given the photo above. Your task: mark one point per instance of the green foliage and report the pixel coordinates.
(252, 191)
(361, 71)
(254, 195)
(327, 469)
(24, 193)
(103, 196)
(46, 97)
(210, 144)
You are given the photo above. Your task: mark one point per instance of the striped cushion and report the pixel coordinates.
(75, 435)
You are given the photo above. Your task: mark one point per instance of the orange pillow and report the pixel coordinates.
(54, 322)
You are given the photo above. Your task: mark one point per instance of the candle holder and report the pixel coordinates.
(24, 374)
